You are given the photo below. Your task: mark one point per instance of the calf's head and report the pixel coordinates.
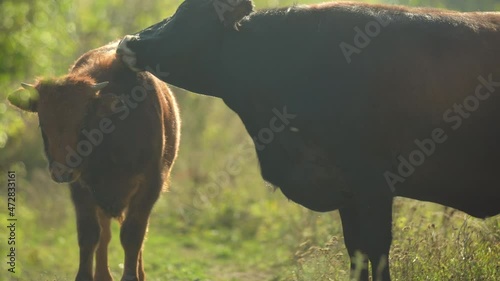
(62, 106)
(194, 30)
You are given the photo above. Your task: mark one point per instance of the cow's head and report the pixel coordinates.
(194, 30)
(62, 106)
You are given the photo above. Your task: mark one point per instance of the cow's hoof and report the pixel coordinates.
(126, 54)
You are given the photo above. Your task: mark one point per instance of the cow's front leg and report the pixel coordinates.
(88, 229)
(367, 229)
(352, 239)
(376, 235)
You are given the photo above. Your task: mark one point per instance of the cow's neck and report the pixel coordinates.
(198, 75)
(195, 81)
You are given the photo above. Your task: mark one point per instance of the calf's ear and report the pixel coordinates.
(232, 11)
(108, 104)
(104, 104)
(25, 98)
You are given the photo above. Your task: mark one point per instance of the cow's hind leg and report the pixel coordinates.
(88, 229)
(134, 229)
(101, 259)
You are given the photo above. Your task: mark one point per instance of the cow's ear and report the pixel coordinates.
(25, 98)
(233, 11)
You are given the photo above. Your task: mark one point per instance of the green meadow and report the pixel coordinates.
(219, 221)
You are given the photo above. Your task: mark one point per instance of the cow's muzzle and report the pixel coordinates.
(126, 54)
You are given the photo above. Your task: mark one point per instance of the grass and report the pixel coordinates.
(431, 242)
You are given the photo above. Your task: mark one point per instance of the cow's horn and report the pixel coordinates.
(27, 86)
(99, 86)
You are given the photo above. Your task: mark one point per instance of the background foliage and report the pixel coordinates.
(237, 230)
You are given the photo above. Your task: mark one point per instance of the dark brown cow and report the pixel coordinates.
(114, 135)
(378, 101)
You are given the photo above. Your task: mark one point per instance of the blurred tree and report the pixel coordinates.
(37, 39)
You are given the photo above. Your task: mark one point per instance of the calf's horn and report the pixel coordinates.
(99, 86)
(27, 86)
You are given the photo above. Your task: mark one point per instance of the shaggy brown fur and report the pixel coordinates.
(115, 143)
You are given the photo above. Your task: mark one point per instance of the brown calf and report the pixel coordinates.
(114, 135)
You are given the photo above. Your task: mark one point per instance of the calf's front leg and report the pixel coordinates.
(101, 259)
(87, 228)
